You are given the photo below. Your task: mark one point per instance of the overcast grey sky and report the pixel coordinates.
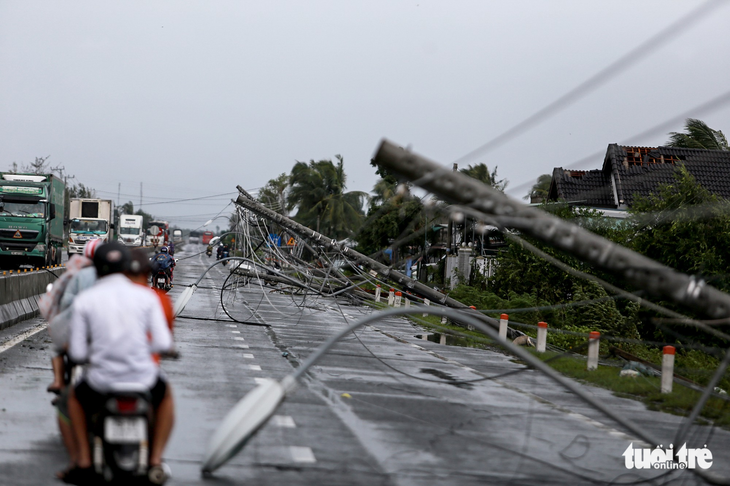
(194, 97)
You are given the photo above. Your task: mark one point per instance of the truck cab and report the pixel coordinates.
(31, 219)
(130, 230)
(89, 219)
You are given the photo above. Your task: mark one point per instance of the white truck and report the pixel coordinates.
(130, 231)
(89, 219)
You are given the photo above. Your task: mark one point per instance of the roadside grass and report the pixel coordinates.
(646, 389)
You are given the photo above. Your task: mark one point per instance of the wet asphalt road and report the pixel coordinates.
(355, 420)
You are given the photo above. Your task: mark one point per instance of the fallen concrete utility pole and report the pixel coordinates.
(338, 275)
(385, 272)
(637, 269)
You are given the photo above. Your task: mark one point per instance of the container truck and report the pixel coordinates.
(31, 219)
(89, 219)
(130, 231)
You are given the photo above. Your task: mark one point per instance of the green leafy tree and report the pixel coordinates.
(539, 191)
(685, 227)
(481, 173)
(273, 194)
(393, 215)
(699, 136)
(317, 191)
(389, 222)
(81, 191)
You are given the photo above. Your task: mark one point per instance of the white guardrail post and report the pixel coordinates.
(503, 324)
(594, 340)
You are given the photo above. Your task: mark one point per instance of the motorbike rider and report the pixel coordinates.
(162, 261)
(209, 250)
(116, 340)
(56, 308)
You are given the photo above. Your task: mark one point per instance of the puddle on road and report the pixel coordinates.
(448, 379)
(449, 340)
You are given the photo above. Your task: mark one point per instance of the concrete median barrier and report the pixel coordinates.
(19, 294)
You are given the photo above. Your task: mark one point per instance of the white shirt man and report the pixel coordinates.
(115, 327)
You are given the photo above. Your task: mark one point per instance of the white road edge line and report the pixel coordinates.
(22, 337)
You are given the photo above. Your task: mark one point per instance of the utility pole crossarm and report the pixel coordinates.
(637, 269)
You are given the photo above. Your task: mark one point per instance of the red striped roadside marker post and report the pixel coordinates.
(541, 336)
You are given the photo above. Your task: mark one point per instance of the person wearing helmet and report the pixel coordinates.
(163, 262)
(56, 307)
(117, 340)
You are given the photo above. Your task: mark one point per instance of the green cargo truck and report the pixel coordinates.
(31, 219)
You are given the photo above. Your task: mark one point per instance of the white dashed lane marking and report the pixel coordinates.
(254, 367)
(283, 421)
(248, 356)
(260, 381)
(302, 454)
(238, 338)
(236, 332)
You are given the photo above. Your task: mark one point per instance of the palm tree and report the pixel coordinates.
(481, 173)
(273, 194)
(698, 136)
(539, 191)
(317, 191)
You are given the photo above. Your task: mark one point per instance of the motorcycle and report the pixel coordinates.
(161, 281)
(120, 435)
(209, 251)
(224, 254)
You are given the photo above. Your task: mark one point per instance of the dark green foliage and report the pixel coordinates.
(390, 221)
(481, 173)
(698, 135)
(273, 194)
(317, 191)
(540, 189)
(684, 227)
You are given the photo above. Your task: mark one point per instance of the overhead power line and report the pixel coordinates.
(671, 32)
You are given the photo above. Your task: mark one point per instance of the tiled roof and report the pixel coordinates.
(592, 187)
(639, 171)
